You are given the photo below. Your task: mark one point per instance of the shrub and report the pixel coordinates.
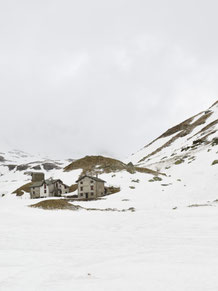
(215, 141)
(178, 162)
(135, 181)
(197, 141)
(155, 179)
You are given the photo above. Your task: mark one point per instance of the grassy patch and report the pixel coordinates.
(164, 158)
(62, 204)
(131, 209)
(135, 181)
(198, 141)
(199, 205)
(100, 164)
(112, 190)
(25, 188)
(73, 188)
(214, 141)
(178, 162)
(155, 179)
(185, 148)
(55, 204)
(89, 163)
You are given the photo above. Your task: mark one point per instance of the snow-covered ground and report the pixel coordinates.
(155, 248)
(150, 249)
(163, 246)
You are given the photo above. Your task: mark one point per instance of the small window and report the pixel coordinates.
(44, 185)
(81, 182)
(45, 191)
(92, 187)
(92, 193)
(81, 194)
(33, 192)
(81, 188)
(92, 181)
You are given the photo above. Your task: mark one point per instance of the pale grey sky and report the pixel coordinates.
(103, 77)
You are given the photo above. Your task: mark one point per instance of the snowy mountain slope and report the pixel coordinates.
(15, 165)
(163, 245)
(185, 154)
(195, 132)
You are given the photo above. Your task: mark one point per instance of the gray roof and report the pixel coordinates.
(50, 181)
(93, 178)
(47, 182)
(37, 184)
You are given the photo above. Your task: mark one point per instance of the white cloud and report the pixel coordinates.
(93, 77)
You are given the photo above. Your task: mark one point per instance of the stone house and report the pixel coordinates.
(90, 187)
(48, 188)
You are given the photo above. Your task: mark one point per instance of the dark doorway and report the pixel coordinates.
(87, 195)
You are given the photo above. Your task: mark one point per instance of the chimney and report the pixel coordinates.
(37, 176)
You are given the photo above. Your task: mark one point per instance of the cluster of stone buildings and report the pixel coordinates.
(41, 188)
(88, 187)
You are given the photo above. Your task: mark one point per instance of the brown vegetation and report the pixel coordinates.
(73, 188)
(183, 129)
(63, 204)
(55, 204)
(112, 190)
(25, 188)
(100, 164)
(199, 205)
(215, 162)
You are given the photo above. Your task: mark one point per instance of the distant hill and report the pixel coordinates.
(100, 165)
(180, 166)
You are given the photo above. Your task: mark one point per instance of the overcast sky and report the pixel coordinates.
(103, 77)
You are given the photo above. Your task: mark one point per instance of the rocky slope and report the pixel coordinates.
(188, 154)
(181, 142)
